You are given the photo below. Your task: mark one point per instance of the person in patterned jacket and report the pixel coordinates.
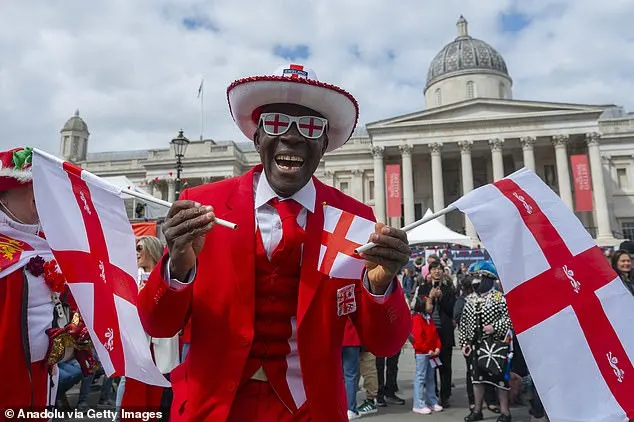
(485, 314)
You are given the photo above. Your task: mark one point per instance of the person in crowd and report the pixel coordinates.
(622, 264)
(519, 370)
(135, 394)
(387, 372)
(106, 391)
(350, 359)
(409, 283)
(461, 274)
(27, 296)
(490, 395)
(446, 261)
(443, 295)
(485, 316)
(419, 262)
(424, 271)
(367, 370)
(426, 347)
(627, 245)
(254, 296)
(465, 289)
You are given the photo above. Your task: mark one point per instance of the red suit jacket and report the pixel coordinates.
(219, 303)
(25, 384)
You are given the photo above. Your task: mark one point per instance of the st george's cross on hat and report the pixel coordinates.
(293, 84)
(15, 168)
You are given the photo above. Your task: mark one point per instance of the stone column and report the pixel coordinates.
(438, 189)
(602, 217)
(467, 181)
(563, 172)
(154, 189)
(528, 151)
(171, 191)
(496, 157)
(357, 185)
(379, 184)
(408, 184)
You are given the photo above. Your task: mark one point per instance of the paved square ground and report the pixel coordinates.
(404, 413)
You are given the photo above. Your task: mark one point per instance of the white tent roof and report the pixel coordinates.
(435, 232)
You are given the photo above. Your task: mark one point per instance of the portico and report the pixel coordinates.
(482, 145)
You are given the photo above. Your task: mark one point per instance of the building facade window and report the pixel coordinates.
(502, 90)
(438, 97)
(470, 89)
(621, 177)
(371, 190)
(343, 187)
(628, 230)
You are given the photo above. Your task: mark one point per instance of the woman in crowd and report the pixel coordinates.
(622, 264)
(132, 393)
(427, 347)
(485, 320)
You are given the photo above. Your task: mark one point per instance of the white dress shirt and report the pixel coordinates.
(268, 221)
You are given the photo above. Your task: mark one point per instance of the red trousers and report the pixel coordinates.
(138, 397)
(257, 401)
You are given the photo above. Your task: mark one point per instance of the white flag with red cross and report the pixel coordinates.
(343, 233)
(88, 231)
(571, 313)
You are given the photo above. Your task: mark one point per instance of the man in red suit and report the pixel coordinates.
(266, 325)
(26, 307)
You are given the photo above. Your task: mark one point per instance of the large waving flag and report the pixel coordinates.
(343, 233)
(572, 314)
(88, 231)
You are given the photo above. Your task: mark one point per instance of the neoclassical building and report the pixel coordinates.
(471, 132)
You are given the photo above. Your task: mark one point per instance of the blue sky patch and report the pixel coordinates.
(194, 23)
(292, 52)
(513, 21)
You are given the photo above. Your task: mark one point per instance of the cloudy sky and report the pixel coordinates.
(133, 67)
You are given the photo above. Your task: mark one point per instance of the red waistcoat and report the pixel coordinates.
(276, 292)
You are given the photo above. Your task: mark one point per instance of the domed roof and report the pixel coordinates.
(463, 55)
(75, 124)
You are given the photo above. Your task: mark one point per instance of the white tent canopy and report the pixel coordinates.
(434, 232)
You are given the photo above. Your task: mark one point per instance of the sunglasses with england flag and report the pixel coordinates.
(310, 127)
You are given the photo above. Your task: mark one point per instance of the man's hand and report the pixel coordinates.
(488, 329)
(387, 258)
(185, 227)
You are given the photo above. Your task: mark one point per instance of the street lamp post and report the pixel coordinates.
(180, 144)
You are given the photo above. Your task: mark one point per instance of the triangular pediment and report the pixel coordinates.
(480, 108)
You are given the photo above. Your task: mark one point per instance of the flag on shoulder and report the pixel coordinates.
(570, 311)
(88, 231)
(343, 233)
(17, 248)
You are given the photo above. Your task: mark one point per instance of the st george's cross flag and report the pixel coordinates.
(343, 233)
(88, 231)
(572, 315)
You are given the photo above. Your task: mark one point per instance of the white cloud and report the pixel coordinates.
(133, 68)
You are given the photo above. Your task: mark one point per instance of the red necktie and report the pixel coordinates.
(292, 234)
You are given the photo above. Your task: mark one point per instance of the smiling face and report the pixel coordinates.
(289, 159)
(624, 263)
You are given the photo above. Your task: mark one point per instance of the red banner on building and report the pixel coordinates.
(581, 177)
(393, 187)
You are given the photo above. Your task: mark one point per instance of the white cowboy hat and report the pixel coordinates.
(293, 84)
